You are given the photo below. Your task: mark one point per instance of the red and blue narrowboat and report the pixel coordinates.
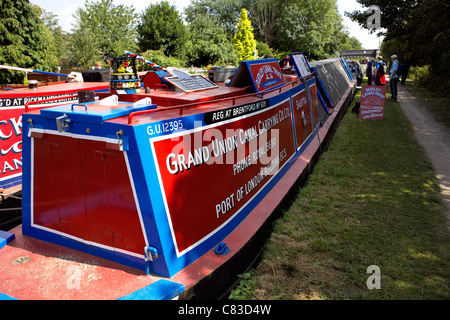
(167, 192)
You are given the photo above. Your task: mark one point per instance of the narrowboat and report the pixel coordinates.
(166, 192)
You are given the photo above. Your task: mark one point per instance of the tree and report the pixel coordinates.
(264, 14)
(350, 43)
(161, 28)
(415, 30)
(112, 28)
(61, 39)
(84, 50)
(24, 40)
(225, 12)
(244, 41)
(265, 51)
(209, 43)
(308, 26)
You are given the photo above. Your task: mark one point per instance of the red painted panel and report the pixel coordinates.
(58, 195)
(302, 117)
(45, 212)
(266, 75)
(237, 158)
(83, 189)
(315, 105)
(111, 210)
(372, 102)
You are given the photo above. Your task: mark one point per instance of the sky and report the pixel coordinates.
(64, 9)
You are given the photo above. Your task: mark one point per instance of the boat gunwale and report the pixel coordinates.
(260, 95)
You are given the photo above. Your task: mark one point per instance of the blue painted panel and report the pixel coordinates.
(6, 297)
(87, 113)
(160, 290)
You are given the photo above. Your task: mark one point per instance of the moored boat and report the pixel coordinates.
(14, 101)
(12, 105)
(179, 183)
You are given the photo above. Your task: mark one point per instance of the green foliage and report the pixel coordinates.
(350, 43)
(264, 51)
(209, 43)
(24, 40)
(244, 41)
(105, 29)
(61, 39)
(310, 26)
(244, 291)
(420, 74)
(111, 29)
(84, 50)
(415, 30)
(161, 28)
(379, 204)
(225, 12)
(264, 14)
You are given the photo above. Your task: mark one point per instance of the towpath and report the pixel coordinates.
(432, 135)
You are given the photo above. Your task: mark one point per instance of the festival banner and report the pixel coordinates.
(372, 102)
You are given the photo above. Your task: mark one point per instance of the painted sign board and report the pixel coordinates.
(264, 75)
(301, 64)
(373, 99)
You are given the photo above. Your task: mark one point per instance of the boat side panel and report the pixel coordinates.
(193, 180)
(201, 193)
(94, 206)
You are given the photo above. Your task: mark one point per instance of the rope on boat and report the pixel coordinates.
(140, 58)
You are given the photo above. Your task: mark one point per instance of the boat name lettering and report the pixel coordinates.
(373, 92)
(16, 127)
(267, 70)
(177, 163)
(224, 206)
(233, 112)
(21, 101)
(300, 103)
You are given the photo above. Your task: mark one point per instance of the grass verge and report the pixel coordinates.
(436, 103)
(372, 199)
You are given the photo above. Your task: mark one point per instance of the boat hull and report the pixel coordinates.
(150, 184)
(185, 193)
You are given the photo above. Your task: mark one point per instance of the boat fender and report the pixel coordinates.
(222, 249)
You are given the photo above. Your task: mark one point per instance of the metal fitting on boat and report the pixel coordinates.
(151, 253)
(62, 123)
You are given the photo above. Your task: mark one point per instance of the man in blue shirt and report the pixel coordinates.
(393, 77)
